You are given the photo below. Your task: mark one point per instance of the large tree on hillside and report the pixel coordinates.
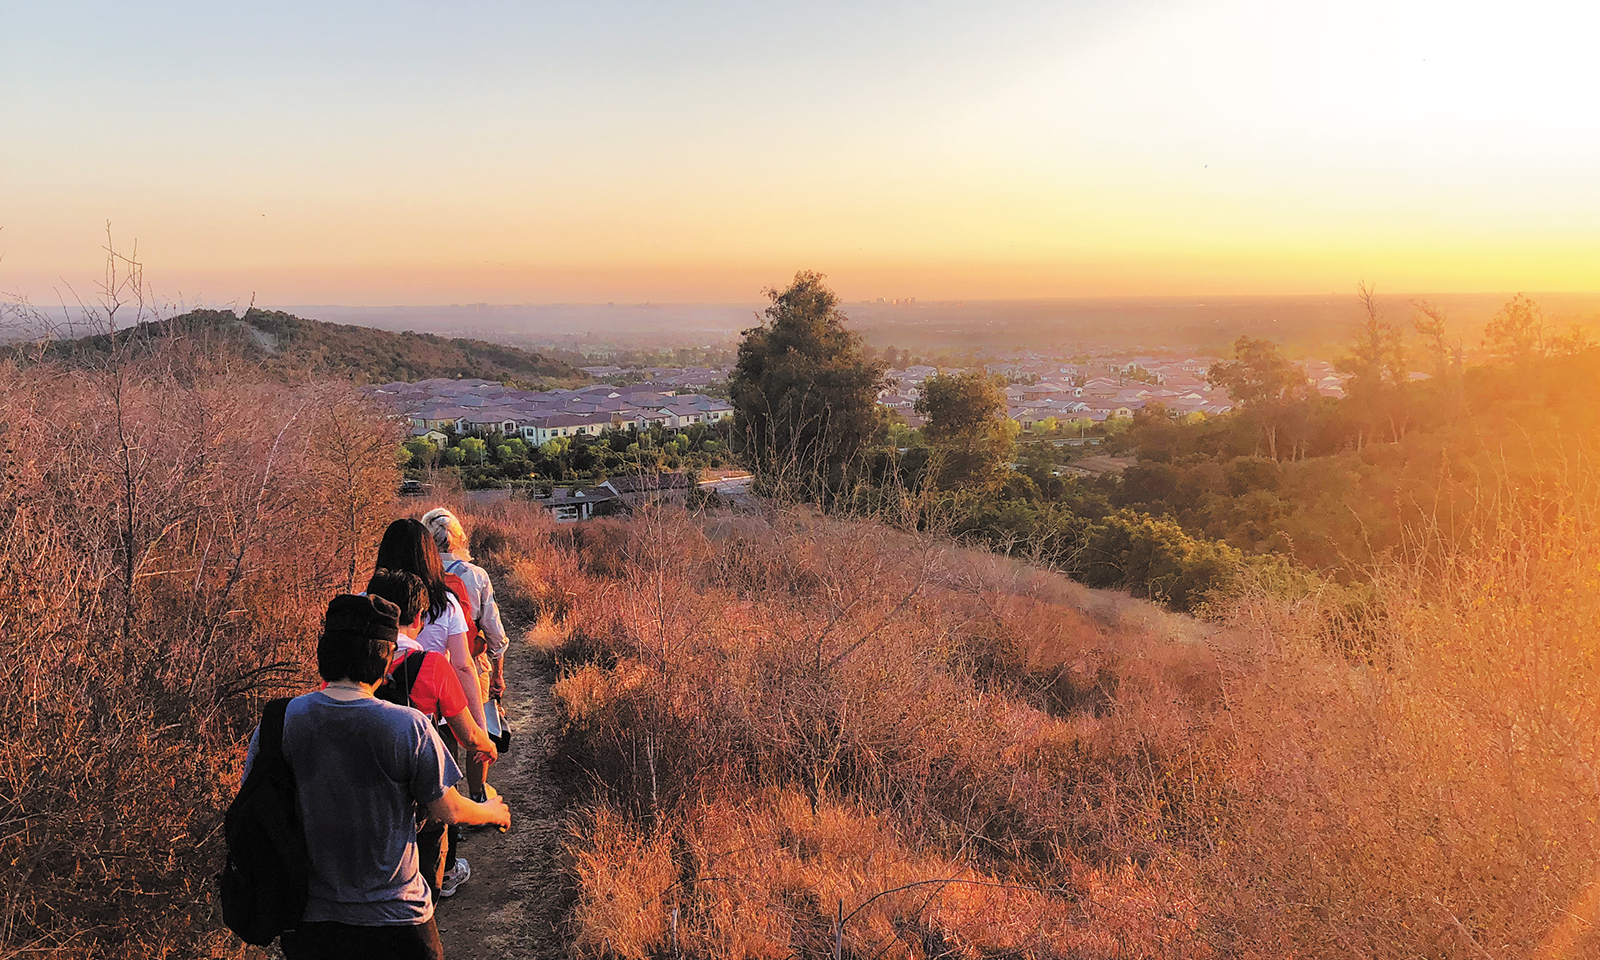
(967, 427)
(805, 397)
(1263, 382)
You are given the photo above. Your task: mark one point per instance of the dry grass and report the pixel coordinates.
(787, 720)
(784, 716)
(172, 532)
(815, 711)
(1443, 798)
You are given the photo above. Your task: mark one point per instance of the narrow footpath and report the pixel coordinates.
(514, 902)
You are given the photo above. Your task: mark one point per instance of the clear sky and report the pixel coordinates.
(396, 152)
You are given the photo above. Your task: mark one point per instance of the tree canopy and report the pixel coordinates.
(968, 428)
(804, 394)
(1262, 382)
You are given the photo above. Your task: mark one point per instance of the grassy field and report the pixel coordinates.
(799, 735)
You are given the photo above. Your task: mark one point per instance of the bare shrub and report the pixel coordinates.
(173, 531)
(773, 674)
(799, 713)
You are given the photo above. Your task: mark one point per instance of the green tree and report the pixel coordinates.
(1376, 366)
(1430, 323)
(473, 450)
(1519, 334)
(967, 427)
(513, 449)
(420, 454)
(804, 395)
(1262, 382)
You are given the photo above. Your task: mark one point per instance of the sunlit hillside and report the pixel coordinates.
(789, 720)
(287, 346)
(789, 733)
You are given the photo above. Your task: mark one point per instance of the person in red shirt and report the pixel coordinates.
(437, 694)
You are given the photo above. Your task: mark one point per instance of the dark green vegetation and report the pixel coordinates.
(500, 461)
(804, 395)
(810, 429)
(1292, 489)
(296, 348)
(1355, 494)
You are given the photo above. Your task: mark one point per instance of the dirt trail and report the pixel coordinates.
(513, 905)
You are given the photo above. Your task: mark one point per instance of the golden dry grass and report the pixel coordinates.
(783, 717)
(172, 534)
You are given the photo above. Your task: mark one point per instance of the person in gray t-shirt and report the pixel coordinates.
(362, 768)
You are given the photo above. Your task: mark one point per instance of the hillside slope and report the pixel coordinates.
(801, 736)
(287, 345)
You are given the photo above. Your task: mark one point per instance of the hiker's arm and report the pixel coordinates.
(497, 676)
(473, 736)
(452, 807)
(467, 671)
(489, 616)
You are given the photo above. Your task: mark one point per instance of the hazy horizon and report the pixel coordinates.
(349, 152)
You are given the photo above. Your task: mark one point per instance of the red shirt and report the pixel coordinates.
(437, 692)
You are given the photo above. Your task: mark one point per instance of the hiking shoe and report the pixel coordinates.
(455, 877)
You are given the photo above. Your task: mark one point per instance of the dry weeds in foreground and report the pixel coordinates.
(785, 717)
(172, 532)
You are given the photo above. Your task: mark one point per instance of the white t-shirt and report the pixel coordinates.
(436, 634)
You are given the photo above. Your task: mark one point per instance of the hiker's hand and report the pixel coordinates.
(499, 813)
(497, 679)
(487, 756)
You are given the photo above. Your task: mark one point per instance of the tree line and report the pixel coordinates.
(1290, 485)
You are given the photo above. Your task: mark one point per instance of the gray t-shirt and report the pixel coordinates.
(362, 767)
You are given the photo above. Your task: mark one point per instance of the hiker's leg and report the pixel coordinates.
(478, 773)
(485, 671)
(431, 855)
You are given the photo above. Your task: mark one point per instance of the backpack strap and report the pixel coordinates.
(269, 740)
(410, 669)
(403, 678)
(454, 565)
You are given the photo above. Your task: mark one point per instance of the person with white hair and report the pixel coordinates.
(456, 557)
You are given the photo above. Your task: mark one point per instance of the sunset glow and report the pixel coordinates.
(410, 153)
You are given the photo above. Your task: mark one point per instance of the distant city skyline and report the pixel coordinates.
(347, 152)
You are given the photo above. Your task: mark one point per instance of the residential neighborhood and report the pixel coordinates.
(470, 407)
(1044, 392)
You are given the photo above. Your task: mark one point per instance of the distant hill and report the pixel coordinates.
(293, 346)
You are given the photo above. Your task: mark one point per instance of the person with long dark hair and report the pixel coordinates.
(424, 679)
(407, 545)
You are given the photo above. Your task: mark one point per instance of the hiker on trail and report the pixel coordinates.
(456, 556)
(425, 681)
(362, 768)
(407, 545)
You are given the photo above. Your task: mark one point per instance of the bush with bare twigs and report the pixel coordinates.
(811, 737)
(173, 530)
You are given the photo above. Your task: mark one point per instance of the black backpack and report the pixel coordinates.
(396, 687)
(263, 883)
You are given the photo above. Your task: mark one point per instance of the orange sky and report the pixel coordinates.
(362, 153)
